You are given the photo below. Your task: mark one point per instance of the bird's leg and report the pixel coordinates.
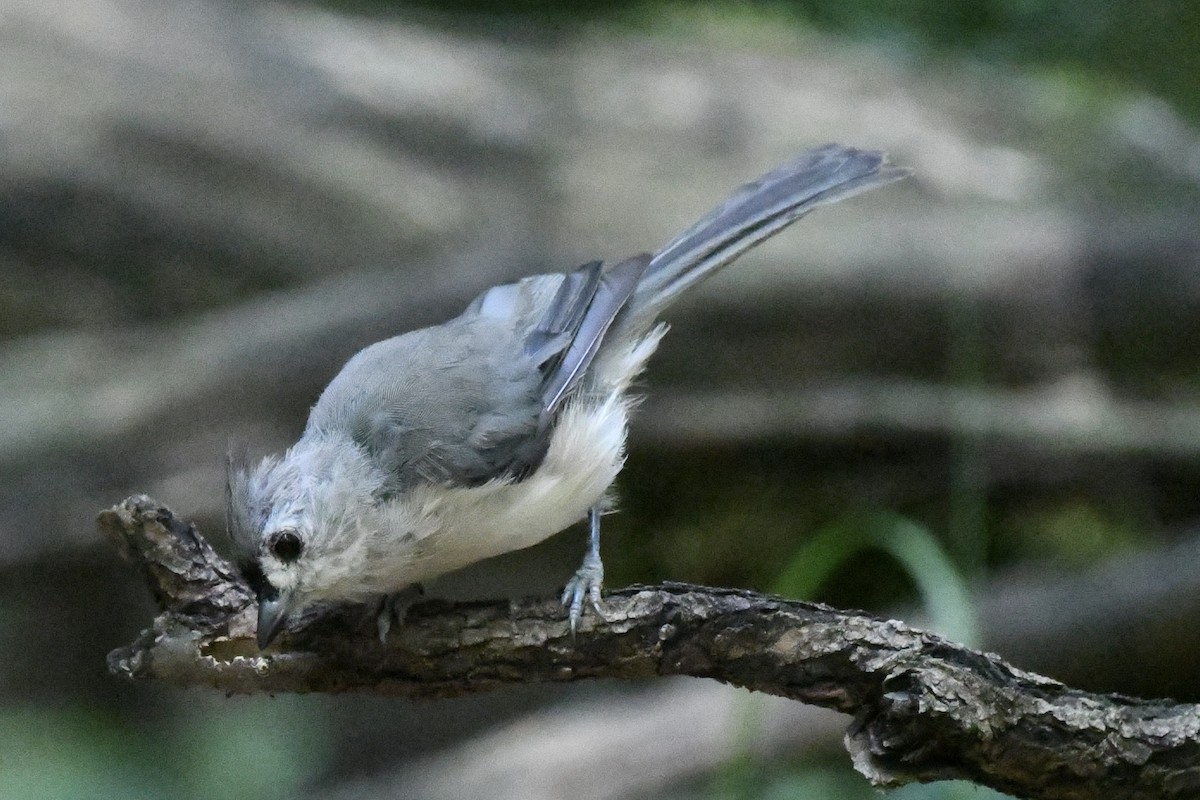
(588, 579)
(394, 607)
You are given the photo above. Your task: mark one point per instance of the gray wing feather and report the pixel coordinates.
(609, 294)
(552, 335)
(455, 404)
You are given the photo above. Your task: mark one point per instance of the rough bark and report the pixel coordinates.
(924, 708)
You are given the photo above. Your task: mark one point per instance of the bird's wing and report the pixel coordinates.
(473, 400)
(566, 339)
(455, 404)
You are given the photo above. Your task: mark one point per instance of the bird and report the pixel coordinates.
(489, 433)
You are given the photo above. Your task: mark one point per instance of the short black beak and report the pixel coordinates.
(273, 612)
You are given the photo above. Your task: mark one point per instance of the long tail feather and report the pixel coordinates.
(755, 212)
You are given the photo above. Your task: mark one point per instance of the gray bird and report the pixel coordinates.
(491, 432)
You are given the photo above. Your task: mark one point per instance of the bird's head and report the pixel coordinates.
(296, 525)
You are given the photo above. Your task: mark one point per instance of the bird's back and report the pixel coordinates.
(453, 405)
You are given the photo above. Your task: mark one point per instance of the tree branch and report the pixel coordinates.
(925, 708)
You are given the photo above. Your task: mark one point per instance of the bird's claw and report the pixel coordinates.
(585, 584)
(393, 608)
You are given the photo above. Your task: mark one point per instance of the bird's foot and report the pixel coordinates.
(393, 608)
(585, 584)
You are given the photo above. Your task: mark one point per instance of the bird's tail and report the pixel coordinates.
(755, 212)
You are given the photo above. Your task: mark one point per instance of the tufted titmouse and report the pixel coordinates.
(489, 433)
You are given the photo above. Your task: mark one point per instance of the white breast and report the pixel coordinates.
(453, 527)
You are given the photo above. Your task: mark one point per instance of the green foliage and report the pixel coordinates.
(67, 753)
(1150, 44)
(264, 748)
(1075, 532)
(944, 593)
(252, 747)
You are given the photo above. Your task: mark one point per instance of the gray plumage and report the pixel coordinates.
(460, 441)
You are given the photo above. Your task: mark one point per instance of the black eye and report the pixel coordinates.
(286, 545)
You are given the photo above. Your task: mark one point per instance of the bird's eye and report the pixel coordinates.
(286, 545)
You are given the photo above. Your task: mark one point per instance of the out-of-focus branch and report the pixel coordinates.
(1070, 416)
(925, 708)
(660, 736)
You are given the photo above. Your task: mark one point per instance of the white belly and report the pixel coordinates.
(453, 527)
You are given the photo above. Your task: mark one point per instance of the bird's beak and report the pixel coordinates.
(273, 612)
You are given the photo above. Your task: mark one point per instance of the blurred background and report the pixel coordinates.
(969, 400)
